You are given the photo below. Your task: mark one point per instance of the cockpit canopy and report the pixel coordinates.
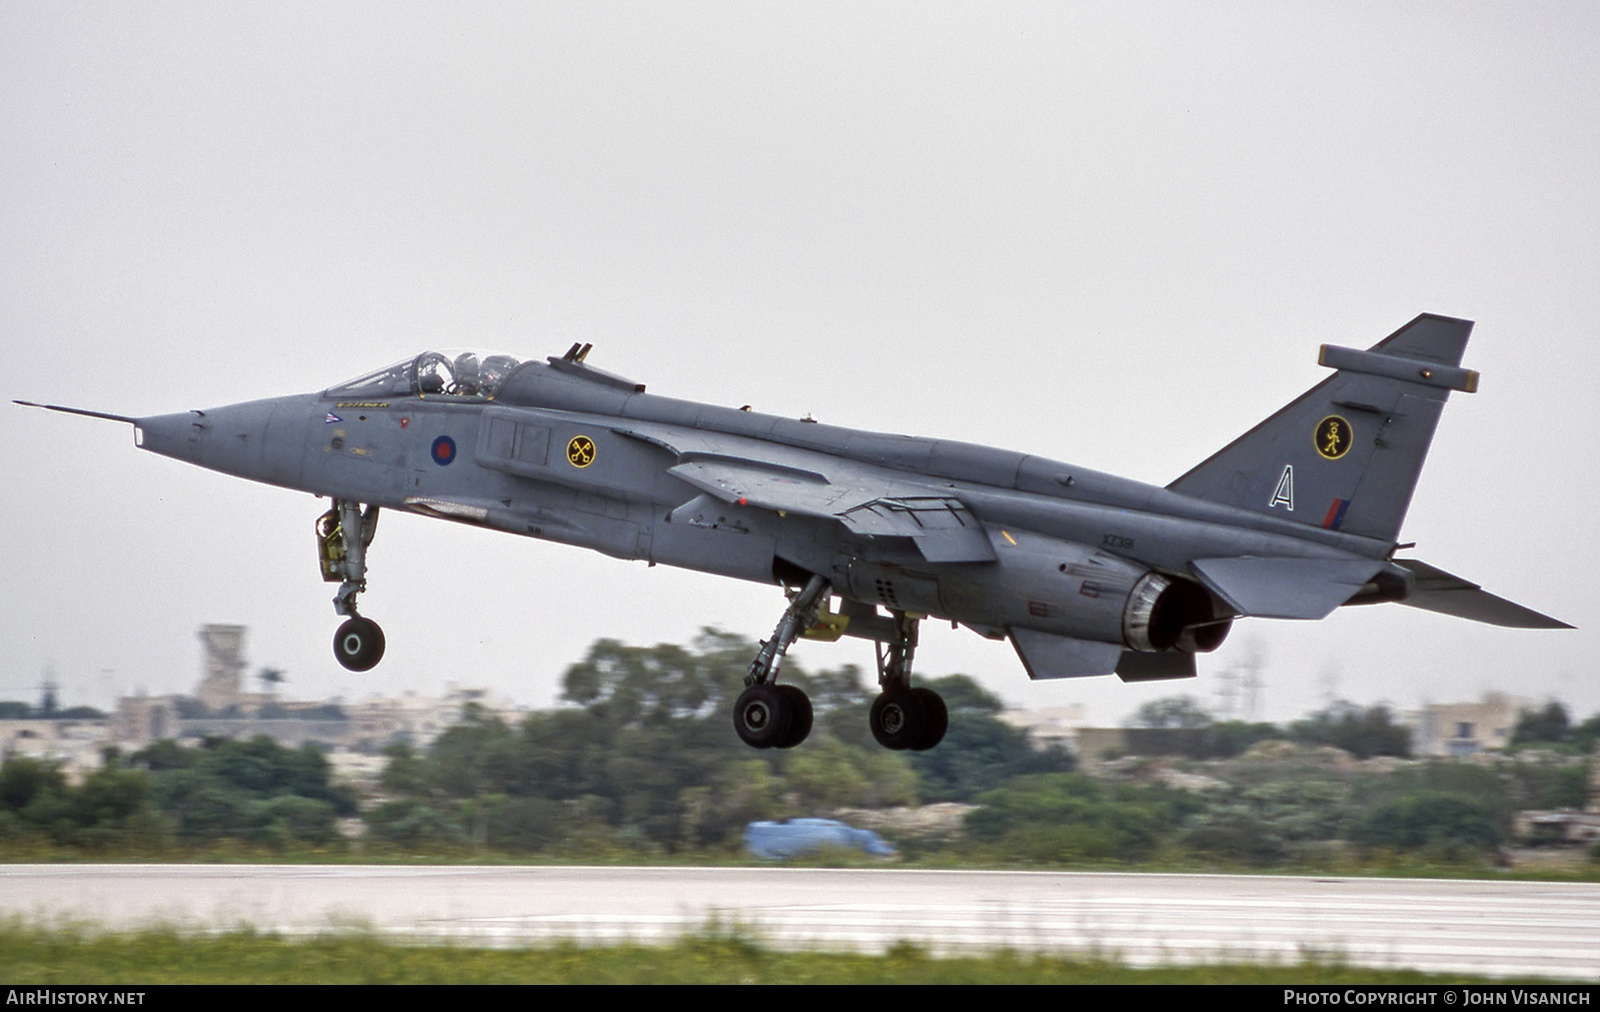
(433, 373)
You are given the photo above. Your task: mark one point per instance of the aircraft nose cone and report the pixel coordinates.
(169, 435)
(231, 439)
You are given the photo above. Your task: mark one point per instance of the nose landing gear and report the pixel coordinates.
(343, 534)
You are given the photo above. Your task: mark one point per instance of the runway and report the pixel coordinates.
(1442, 926)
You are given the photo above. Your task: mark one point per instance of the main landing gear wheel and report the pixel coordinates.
(896, 719)
(799, 705)
(935, 719)
(914, 720)
(903, 717)
(762, 716)
(772, 716)
(358, 644)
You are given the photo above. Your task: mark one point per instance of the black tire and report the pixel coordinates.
(358, 644)
(935, 719)
(799, 706)
(897, 719)
(762, 717)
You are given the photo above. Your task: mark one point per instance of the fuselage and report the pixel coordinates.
(577, 456)
(1084, 572)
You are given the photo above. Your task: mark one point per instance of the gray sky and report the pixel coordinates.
(1112, 234)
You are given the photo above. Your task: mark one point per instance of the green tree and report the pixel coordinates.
(1229, 738)
(1237, 839)
(638, 686)
(414, 823)
(1587, 734)
(828, 773)
(980, 751)
(1065, 817)
(1428, 818)
(1362, 732)
(253, 790)
(1549, 725)
(1183, 712)
(24, 780)
(35, 800)
(742, 791)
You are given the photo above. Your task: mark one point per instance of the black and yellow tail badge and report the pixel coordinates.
(580, 451)
(1333, 437)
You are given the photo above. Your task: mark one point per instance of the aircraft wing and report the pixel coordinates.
(1285, 588)
(785, 479)
(1436, 590)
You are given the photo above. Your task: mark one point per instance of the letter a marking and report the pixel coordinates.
(1284, 496)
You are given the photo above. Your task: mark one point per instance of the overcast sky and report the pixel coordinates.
(1111, 234)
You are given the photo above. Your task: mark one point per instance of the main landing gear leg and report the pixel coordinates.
(343, 534)
(903, 717)
(766, 714)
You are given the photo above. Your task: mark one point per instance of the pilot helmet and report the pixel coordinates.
(466, 370)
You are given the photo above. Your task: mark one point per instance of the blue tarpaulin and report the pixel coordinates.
(792, 837)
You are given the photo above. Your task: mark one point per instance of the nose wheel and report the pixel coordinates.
(358, 644)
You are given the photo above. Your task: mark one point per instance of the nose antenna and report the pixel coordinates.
(79, 411)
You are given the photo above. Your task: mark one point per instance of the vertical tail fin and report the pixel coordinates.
(1346, 454)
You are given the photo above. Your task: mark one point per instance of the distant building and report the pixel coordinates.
(75, 744)
(1053, 726)
(140, 720)
(1458, 729)
(222, 681)
(220, 707)
(420, 719)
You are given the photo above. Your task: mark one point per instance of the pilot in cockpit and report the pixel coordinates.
(466, 371)
(494, 371)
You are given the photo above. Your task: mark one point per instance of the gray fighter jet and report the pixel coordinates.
(1085, 573)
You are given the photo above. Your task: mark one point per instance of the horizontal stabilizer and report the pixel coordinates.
(1436, 590)
(1047, 655)
(1285, 588)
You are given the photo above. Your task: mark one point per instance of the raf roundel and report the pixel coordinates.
(1333, 437)
(444, 450)
(580, 451)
